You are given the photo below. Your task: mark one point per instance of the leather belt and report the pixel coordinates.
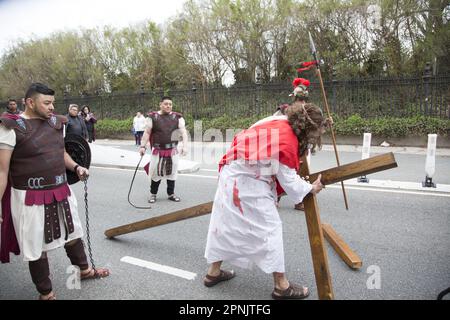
(39, 183)
(165, 146)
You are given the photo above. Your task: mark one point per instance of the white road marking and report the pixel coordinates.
(159, 267)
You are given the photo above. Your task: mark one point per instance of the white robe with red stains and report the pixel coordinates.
(245, 227)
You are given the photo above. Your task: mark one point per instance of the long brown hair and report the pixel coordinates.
(306, 120)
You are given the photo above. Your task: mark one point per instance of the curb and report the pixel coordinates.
(443, 189)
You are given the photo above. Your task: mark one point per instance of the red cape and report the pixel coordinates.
(8, 241)
(270, 140)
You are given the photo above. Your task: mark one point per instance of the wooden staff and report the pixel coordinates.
(333, 138)
(183, 214)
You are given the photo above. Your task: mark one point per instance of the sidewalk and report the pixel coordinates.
(110, 157)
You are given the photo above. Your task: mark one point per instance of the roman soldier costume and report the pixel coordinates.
(164, 148)
(38, 209)
(165, 129)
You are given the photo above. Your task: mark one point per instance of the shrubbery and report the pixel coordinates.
(109, 128)
(390, 127)
(353, 125)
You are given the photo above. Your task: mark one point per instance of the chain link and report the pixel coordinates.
(88, 237)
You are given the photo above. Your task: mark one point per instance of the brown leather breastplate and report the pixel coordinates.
(37, 162)
(162, 128)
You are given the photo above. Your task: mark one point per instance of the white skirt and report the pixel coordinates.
(153, 169)
(245, 228)
(29, 225)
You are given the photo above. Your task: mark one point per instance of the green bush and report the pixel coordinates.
(110, 128)
(353, 125)
(401, 127)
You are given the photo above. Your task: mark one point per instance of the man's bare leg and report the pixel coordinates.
(280, 280)
(216, 275)
(214, 269)
(282, 283)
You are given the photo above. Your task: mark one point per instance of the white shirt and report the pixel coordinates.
(139, 123)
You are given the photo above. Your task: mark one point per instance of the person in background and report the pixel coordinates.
(12, 108)
(89, 121)
(75, 124)
(139, 127)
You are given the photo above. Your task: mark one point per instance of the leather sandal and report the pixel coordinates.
(292, 292)
(224, 275)
(50, 296)
(95, 274)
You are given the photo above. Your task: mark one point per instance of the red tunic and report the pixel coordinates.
(271, 140)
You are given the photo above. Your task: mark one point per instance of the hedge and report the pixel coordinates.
(109, 128)
(354, 125)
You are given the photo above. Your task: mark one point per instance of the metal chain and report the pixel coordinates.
(88, 237)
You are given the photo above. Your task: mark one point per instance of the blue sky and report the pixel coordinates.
(25, 19)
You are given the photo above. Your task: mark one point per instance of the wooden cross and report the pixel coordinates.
(316, 229)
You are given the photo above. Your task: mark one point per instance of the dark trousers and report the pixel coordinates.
(170, 187)
(138, 136)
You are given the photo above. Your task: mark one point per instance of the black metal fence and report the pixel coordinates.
(399, 97)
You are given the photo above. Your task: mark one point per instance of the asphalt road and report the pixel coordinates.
(403, 236)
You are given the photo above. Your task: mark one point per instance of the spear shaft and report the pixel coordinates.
(322, 87)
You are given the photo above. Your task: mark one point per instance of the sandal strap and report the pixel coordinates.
(215, 277)
(292, 290)
(96, 273)
(223, 275)
(101, 272)
(50, 297)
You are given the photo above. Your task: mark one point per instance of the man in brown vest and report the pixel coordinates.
(39, 209)
(163, 130)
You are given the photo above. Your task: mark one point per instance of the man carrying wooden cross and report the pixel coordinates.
(245, 228)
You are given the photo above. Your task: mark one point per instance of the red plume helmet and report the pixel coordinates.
(300, 88)
(300, 81)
